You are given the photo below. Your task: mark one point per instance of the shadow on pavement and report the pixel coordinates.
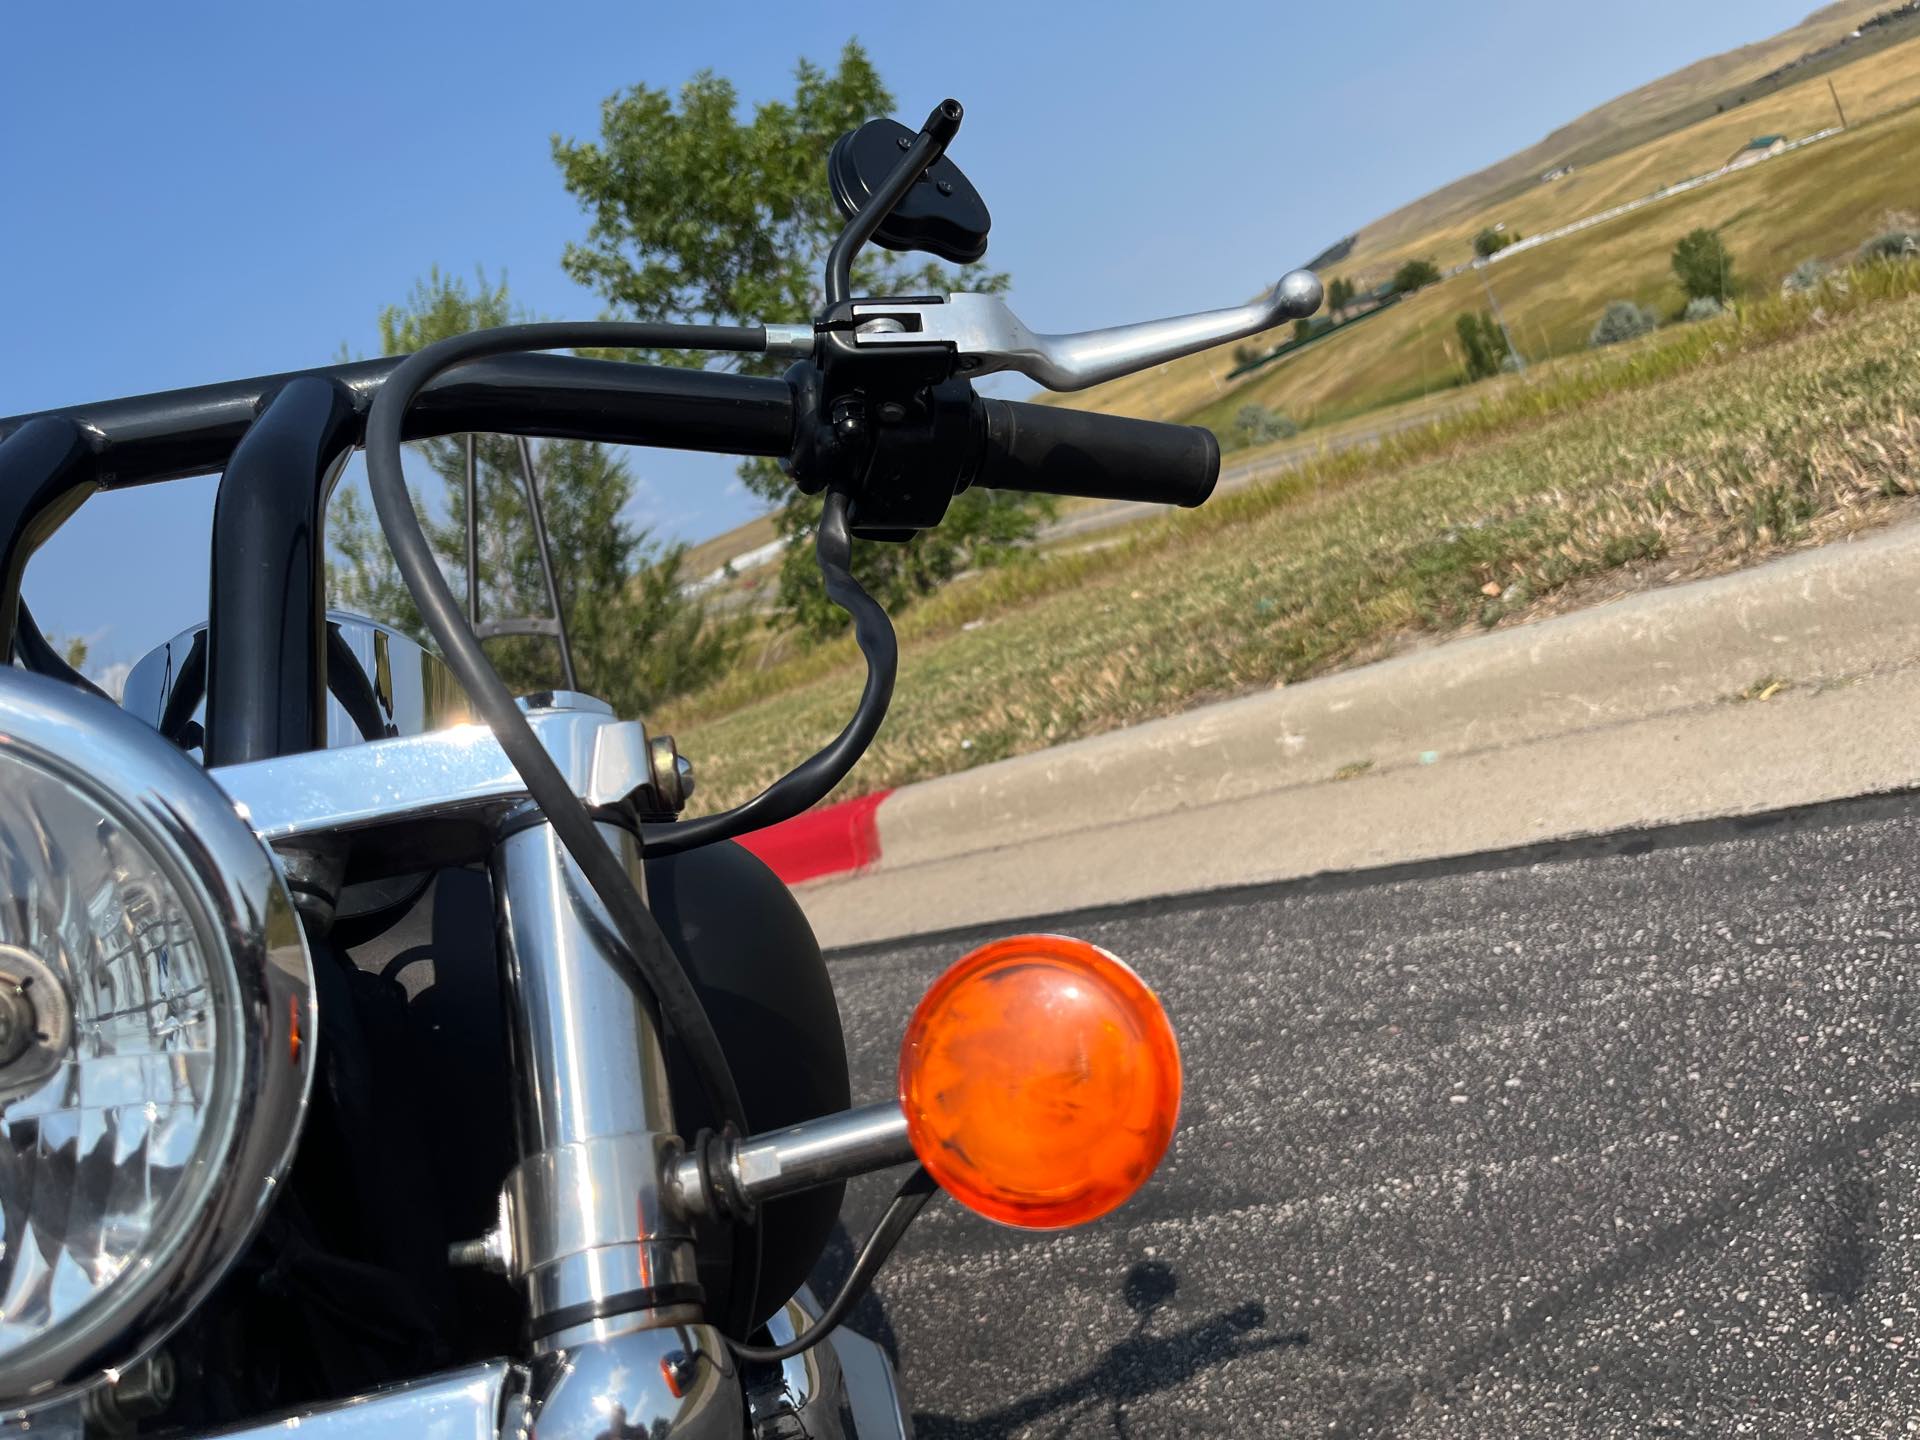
(1138, 1366)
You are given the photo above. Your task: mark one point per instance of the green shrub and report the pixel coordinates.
(1806, 277)
(1704, 266)
(1622, 320)
(1415, 275)
(1483, 344)
(1491, 241)
(1893, 245)
(1255, 424)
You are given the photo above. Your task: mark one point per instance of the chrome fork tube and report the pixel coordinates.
(613, 1296)
(586, 1226)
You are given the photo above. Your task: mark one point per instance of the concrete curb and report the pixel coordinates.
(1842, 612)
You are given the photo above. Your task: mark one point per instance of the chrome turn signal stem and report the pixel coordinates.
(725, 1176)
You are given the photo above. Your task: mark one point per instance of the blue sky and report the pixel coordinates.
(191, 192)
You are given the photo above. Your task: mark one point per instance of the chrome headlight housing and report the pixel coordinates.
(156, 1027)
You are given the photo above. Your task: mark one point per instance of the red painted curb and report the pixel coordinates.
(821, 842)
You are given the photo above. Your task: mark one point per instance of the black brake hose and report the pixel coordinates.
(908, 1201)
(645, 946)
(812, 778)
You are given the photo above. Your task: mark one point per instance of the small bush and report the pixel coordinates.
(1415, 275)
(1705, 308)
(1893, 245)
(1806, 277)
(1622, 320)
(1255, 424)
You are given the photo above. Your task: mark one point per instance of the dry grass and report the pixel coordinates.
(1705, 449)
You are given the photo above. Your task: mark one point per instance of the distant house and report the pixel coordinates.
(1559, 172)
(1755, 150)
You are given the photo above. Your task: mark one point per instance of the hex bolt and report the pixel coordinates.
(137, 1393)
(945, 187)
(489, 1252)
(892, 412)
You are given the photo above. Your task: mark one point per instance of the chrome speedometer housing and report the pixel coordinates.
(156, 1037)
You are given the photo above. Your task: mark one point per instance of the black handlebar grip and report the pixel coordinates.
(1076, 452)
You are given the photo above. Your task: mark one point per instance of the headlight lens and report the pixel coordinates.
(155, 1014)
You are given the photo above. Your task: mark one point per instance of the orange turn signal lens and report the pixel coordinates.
(1041, 1081)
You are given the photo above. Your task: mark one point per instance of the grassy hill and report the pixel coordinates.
(1668, 105)
(1821, 201)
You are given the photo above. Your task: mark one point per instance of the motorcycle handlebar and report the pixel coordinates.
(1055, 451)
(1105, 457)
(146, 439)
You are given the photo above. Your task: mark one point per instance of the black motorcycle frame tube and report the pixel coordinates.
(39, 656)
(52, 461)
(266, 601)
(44, 477)
(172, 434)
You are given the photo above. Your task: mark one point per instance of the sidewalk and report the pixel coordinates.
(1616, 717)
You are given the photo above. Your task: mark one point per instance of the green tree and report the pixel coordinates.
(1415, 275)
(637, 637)
(1483, 344)
(1339, 294)
(1704, 266)
(1491, 241)
(696, 213)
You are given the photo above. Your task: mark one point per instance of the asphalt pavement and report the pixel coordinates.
(1613, 1137)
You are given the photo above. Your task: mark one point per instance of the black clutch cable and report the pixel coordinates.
(644, 944)
(815, 776)
(643, 947)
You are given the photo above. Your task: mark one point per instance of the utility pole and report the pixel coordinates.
(1836, 103)
(1519, 360)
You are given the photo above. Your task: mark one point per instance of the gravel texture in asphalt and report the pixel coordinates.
(1605, 1139)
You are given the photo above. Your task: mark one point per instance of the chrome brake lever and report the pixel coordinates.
(987, 336)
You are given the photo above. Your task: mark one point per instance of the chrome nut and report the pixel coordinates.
(665, 761)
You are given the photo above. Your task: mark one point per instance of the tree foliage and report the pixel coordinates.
(696, 213)
(1415, 275)
(1339, 294)
(637, 637)
(1704, 266)
(1483, 345)
(1492, 241)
